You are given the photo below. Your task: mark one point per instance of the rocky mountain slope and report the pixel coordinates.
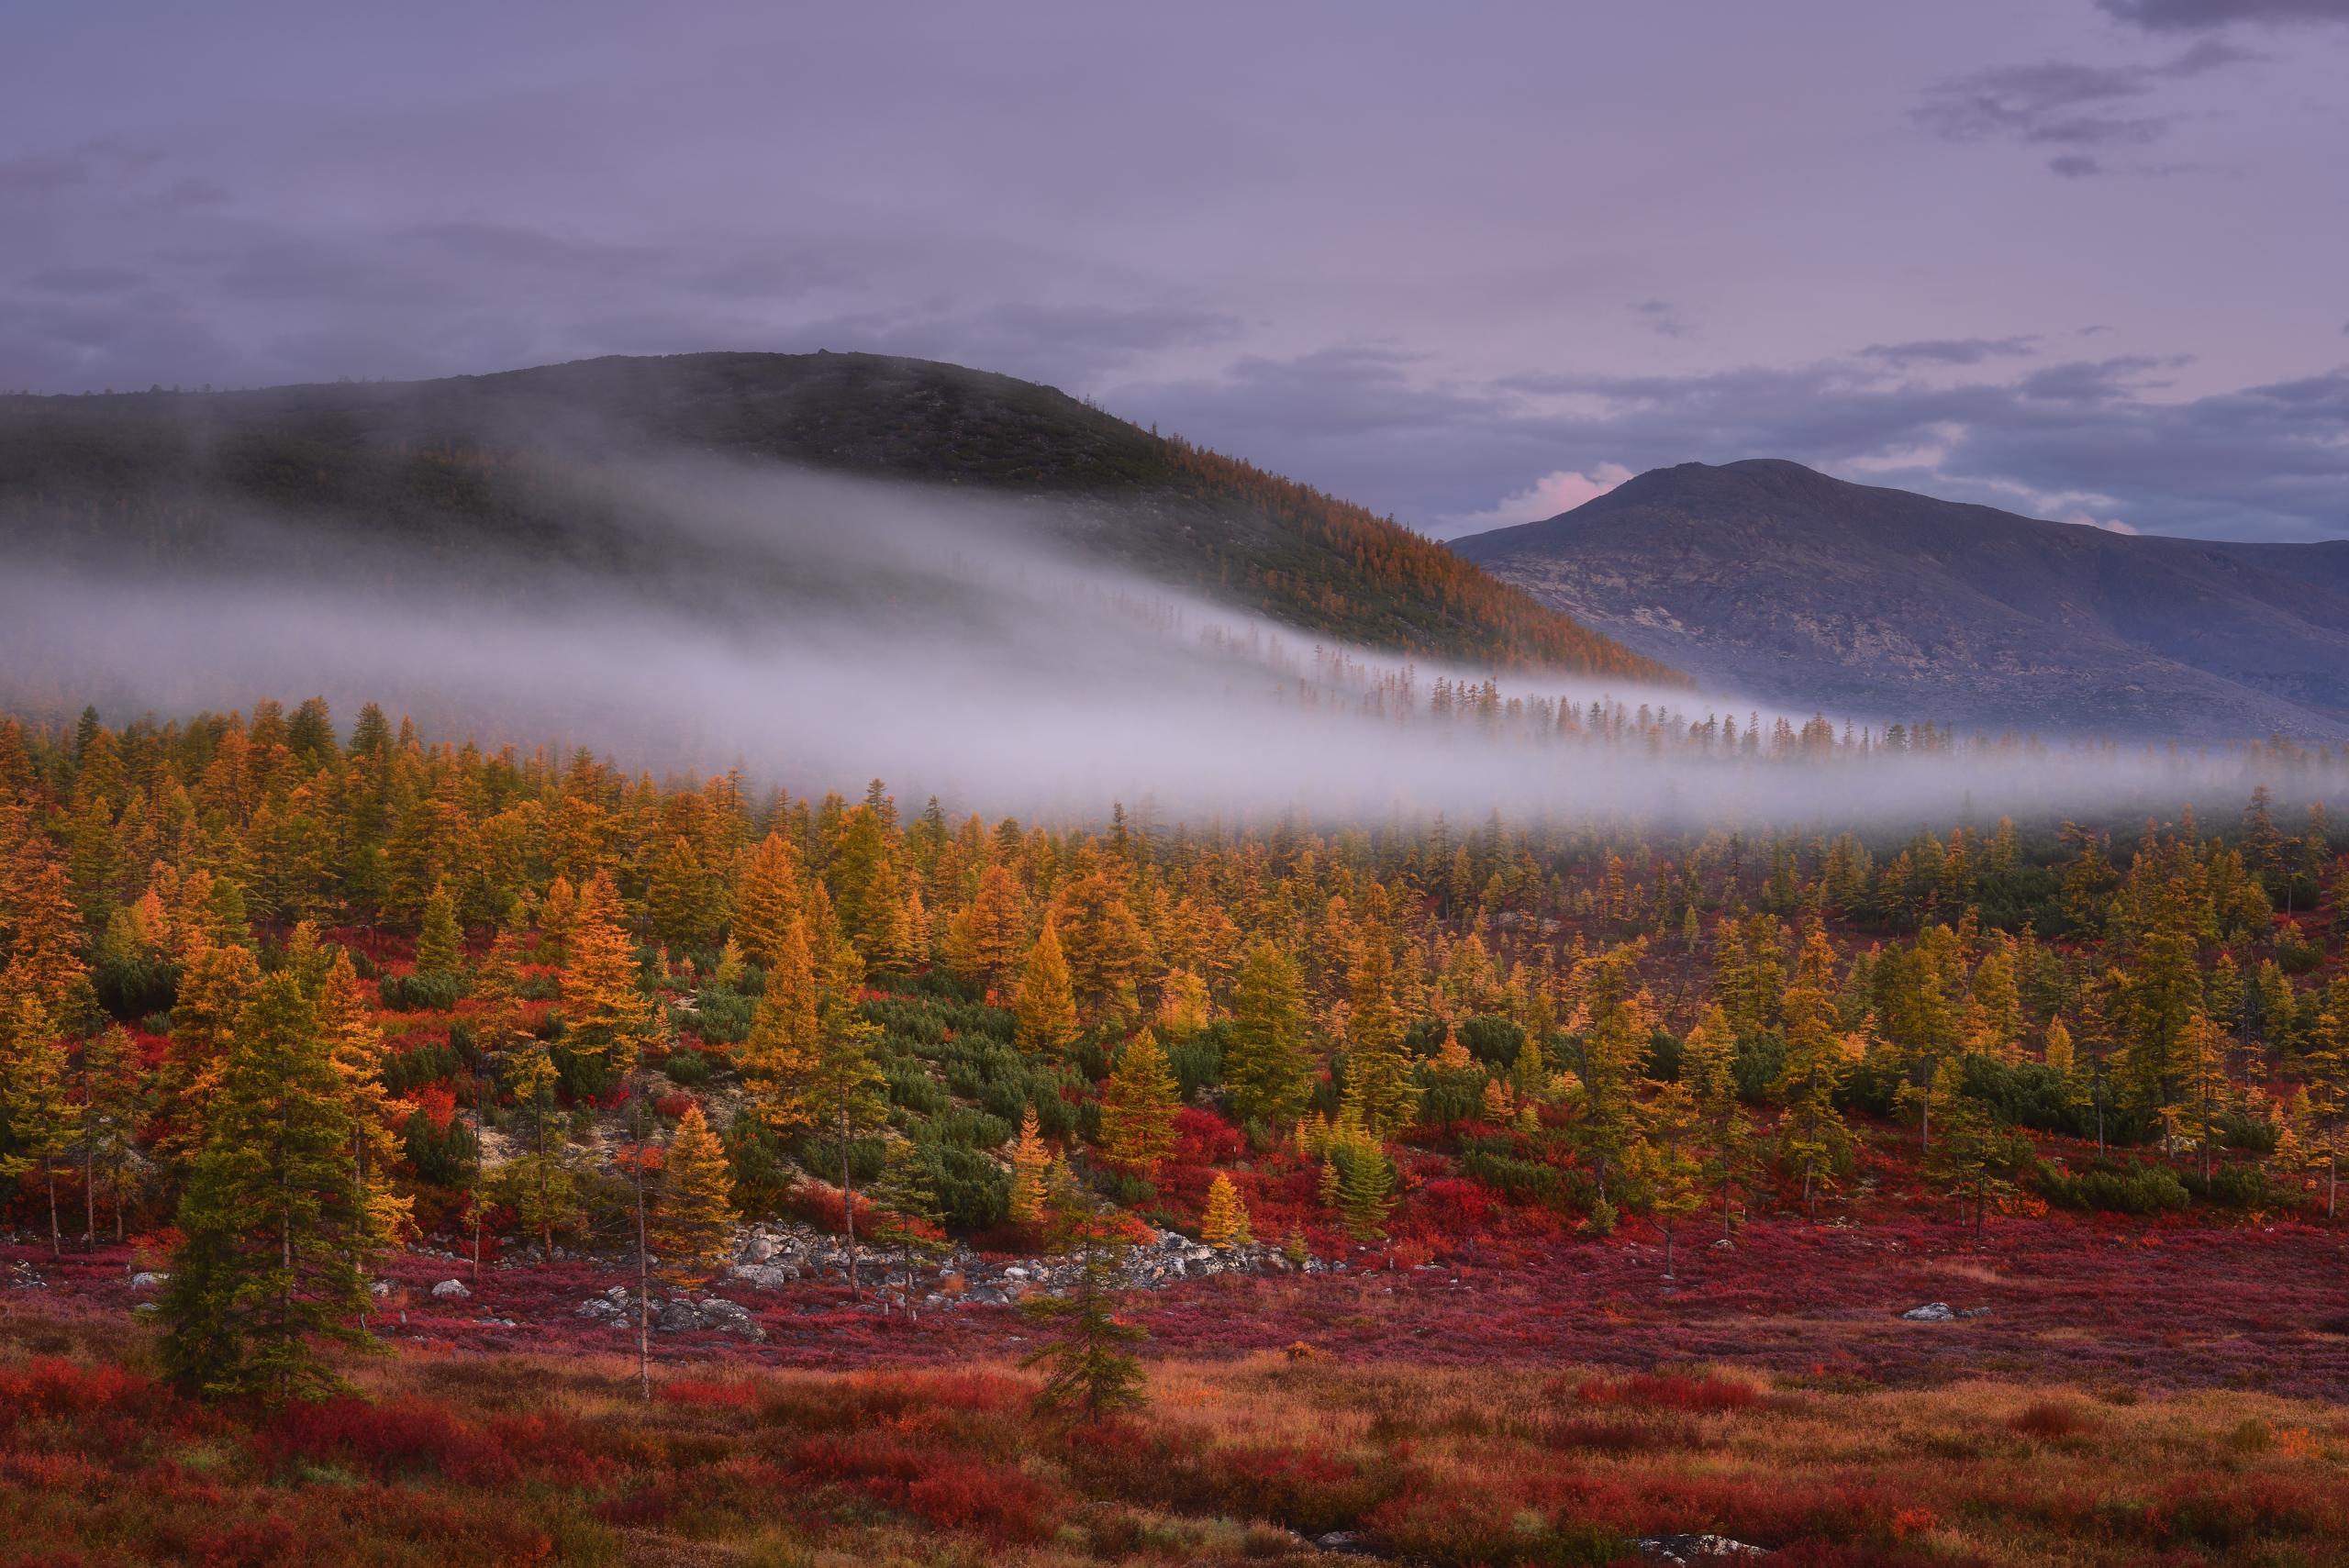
(1766, 578)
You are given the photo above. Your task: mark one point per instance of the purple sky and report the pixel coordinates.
(2082, 258)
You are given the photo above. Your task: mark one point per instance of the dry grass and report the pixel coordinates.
(1490, 1463)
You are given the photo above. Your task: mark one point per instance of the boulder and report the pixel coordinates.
(149, 1281)
(451, 1290)
(766, 1276)
(1932, 1312)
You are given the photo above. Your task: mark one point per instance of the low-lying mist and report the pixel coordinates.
(820, 631)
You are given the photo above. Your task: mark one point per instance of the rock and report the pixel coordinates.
(1932, 1312)
(380, 1289)
(679, 1318)
(147, 1281)
(987, 1295)
(759, 1250)
(1975, 1312)
(1688, 1550)
(1724, 1245)
(598, 1307)
(727, 1318)
(1344, 1542)
(451, 1290)
(766, 1276)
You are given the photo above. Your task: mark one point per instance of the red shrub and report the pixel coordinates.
(822, 1207)
(558, 1448)
(1622, 1437)
(675, 1105)
(1451, 1206)
(997, 1500)
(388, 1441)
(438, 1103)
(740, 1396)
(58, 1390)
(1669, 1391)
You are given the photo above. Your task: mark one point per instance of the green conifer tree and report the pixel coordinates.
(276, 1228)
(1265, 1062)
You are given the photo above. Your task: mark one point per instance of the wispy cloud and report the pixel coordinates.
(2063, 104)
(2193, 15)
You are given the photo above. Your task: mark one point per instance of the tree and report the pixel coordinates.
(1137, 1108)
(778, 1059)
(114, 1099)
(275, 1225)
(440, 947)
(767, 900)
(847, 1092)
(1047, 1010)
(43, 1119)
(1365, 1185)
(1708, 1066)
(637, 1125)
(1813, 1133)
(1089, 1376)
(1970, 1144)
(992, 931)
(907, 1199)
(1225, 1224)
(1030, 1161)
(1379, 1084)
(611, 1021)
(215, 985)
(1614, 1022)
(1265, 1062)
(693, 1219)
(1667, 1165)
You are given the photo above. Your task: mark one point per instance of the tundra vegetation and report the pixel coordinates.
(1599, 1157)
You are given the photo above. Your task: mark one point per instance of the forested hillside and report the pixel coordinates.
(536, 461)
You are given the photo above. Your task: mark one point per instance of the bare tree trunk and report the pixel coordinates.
(848, 1207)
(643, 1286)
(56, 1244)
(1667, 1248)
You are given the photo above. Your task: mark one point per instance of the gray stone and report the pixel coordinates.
(766, 1276)
(451, 1290)
(679, 1318)
(1932, 1312)
(1688, 1550)
(149, 1281)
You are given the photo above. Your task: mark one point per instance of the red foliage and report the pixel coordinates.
(949, 1490)
(675, 1105)
(439, 1105)
(1202, 1138)
(388, 1441)
(1668, 1391)
(57, 1390)
(1454, 1207)
(823, 1207)
(2050, 1418)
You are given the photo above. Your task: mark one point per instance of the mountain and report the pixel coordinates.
(535, 461)
(1768, 578)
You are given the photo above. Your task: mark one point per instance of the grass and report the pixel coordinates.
(525, 1457)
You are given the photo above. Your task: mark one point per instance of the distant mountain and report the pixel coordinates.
(1767, 577)
(522, 461)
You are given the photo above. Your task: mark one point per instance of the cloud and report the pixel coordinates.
(2187, 16)
(1559, 491)
(1664, 317)
(1950, 351)
(2062, 103)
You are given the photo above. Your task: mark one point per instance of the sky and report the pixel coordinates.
(2080, 259)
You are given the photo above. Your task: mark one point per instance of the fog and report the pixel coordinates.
(820, 631)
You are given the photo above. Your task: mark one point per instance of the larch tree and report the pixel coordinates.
(989, 934)
(1378, 1085)
(1137, 1108)
(216, 982)
(906, 1197)
(766, 900)
(849, 1096)
(115, 1085)
(1614, 1019)
(611, 1020)
(38, 1109)
(779, 1057)
(1089, 1375)
(1030, 1160)
(275, 1229)
(440, 946)
(1047, 1013)
(1708, 1066)
(1668, 1164)
(1225, 1224)
(693, 1219)
(1265, 1063)
(1813, 1134)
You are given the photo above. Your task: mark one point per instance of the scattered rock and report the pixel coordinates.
(451, 1290)
(1975, 1312)
(147, 1281)
(1932, 1312)
(1690, 1550)
(765, 1276)
(1344, 1542)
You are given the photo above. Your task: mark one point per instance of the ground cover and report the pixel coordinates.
(1247, 1457)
